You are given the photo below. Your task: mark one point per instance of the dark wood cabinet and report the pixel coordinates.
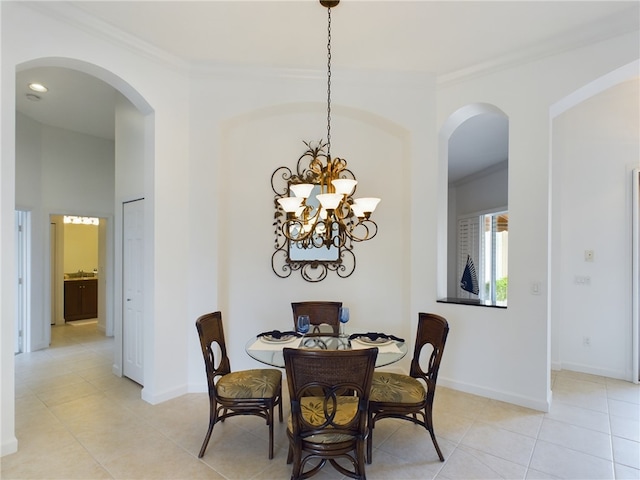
(80, 299)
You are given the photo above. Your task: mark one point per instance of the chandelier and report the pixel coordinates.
(317, 209)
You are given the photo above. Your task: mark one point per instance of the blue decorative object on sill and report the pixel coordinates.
(469, 280)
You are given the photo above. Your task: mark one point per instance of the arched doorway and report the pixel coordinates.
(592, 130)
(84, 192)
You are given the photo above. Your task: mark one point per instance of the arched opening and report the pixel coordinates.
(594, 151)
(79, 186)
(474, 144)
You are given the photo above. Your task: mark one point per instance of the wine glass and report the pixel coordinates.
(344, 318)
(304, 323)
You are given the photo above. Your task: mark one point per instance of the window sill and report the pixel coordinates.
(470, 301)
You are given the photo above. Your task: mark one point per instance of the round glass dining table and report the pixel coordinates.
(269, 351)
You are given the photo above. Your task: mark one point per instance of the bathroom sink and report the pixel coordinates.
(79, 275)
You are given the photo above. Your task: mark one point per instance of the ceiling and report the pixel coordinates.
(446, 38)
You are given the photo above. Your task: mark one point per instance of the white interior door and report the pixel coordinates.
(53, 276)
(635, 208)
(133, 290)
(22, 237)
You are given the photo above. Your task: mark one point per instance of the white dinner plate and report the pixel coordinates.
(378, 342)
(282, 339)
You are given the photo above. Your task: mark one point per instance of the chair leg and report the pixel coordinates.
(294, 457)
(270, 421)
(360, 459)
(429, 421)
(213, 417)
(371, 424)
(435, 444)
(289, 455)
(296, 471)
(206, 440)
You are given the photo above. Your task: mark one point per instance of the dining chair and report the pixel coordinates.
(329, 393)
(406, 397)
(319, 313)
(245, 392)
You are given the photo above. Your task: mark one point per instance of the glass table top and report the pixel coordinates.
(269, 351)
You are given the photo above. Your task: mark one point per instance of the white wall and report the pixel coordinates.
(29, 174)
(8, 291)
(485, 193)
(80, 247)
(29, 148)
(596, 144)
(76, 170)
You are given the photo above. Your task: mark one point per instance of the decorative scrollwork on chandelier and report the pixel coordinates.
(317, 220)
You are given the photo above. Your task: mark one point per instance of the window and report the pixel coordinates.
(483, 247)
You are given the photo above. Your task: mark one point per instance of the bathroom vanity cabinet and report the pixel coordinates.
(80, 299)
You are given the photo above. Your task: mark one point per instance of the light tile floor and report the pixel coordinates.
(76, 420)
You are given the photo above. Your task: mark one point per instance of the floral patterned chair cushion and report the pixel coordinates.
(257, 383)
(313, 412)
(396, 388)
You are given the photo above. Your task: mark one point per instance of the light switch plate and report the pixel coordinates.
(535, 288)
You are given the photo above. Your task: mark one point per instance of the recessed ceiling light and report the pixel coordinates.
(33, 97)
(38, 87)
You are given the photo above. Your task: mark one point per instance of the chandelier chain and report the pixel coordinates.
(329, 82)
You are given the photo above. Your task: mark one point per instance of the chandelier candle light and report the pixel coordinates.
(336, 219)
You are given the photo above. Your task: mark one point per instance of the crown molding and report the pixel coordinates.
(605, 29)
(76, 17)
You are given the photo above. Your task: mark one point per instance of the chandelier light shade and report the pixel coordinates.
(315, 207)
(344, 186)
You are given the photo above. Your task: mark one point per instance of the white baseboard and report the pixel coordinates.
(155, 399)
(603, 372)
(542, 405)
(9, 447)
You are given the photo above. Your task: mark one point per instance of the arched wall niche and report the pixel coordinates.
(282, 129)
(473, 159)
